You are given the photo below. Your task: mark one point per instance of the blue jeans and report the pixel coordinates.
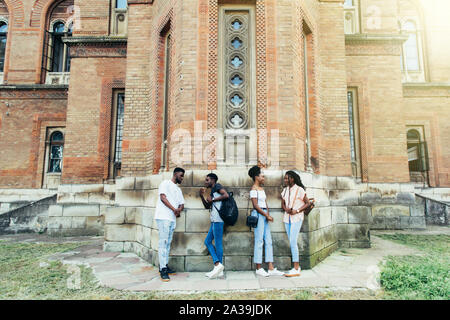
(165, 228)
(293, 230)
(215, 233)
(262, 236)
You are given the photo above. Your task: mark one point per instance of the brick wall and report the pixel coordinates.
(24, 116)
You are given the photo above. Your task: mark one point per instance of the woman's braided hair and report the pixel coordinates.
(296, 178)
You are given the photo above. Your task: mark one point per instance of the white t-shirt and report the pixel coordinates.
(261, 196)
(174, 196)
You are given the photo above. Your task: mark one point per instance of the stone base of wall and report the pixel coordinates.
(80, 210)
(344, 214)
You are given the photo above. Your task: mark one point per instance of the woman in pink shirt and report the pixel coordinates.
(293, 202)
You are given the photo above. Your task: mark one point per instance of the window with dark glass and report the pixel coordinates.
(117, 120)
(119, 128)
(60, 52)
(56, 152)
(3, 37)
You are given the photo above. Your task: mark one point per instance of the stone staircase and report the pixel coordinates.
(31, 217)
(436, 211)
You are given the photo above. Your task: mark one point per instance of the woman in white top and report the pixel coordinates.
(294, 201)
(262, 231)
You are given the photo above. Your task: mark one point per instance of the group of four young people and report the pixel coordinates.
(294, 202)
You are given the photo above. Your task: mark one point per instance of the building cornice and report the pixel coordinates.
(33, 87)
(377, 38)
(426, 85)
(97, 47)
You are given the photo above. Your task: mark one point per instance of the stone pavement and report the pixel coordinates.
(344, 269)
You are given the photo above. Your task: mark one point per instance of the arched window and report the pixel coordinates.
(3, 38)
(60, 52)
(56, 152)
(56, 54)
(417, 155)
(411, 55)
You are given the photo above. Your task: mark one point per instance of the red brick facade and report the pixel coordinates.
(101, 63)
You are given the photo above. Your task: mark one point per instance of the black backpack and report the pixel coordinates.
(228, 211)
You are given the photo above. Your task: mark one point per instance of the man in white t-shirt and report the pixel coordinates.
(168, 207)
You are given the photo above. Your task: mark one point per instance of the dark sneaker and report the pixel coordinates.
(164, 275)
(169, 270)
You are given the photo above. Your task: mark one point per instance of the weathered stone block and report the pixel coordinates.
(417, 222)
(82, 197)
(417, 210)
(81, 210)
(238, 263)
(406, 198)
(147, 234)
(325, 217)
(197, 220)
(345, 183)
(115, 215)
(238, 243)
(273, 178)
(154, 238)
(139, 234)
(125, 183)
(378, 223)
(123, 232)
(155, 180)
(390, 210)
(87, 188)
(59, 223)
(198, 263)
(184, 243)
(359, 214)
(55, 211)
(181, 222)
(142, 183)
(147, 217)
(95, 224)
(393, 223)
(130, 214)
(100, 198)
(65, 198)
(113, 246)
(343, 198)
(339, 215)
(352, 231)
(238, 178)
(370, 198)
(130, 198)
(78, 222)
(321, 238)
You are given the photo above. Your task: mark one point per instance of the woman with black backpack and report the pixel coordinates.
(262, 230)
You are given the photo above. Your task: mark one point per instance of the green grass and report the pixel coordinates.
(425, 276)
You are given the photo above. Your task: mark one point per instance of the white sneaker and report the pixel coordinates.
(293, 273)
(216, 271)
(261, 272)
(208, 274)
(275, 272)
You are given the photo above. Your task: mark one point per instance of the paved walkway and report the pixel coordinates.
(342, 270)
